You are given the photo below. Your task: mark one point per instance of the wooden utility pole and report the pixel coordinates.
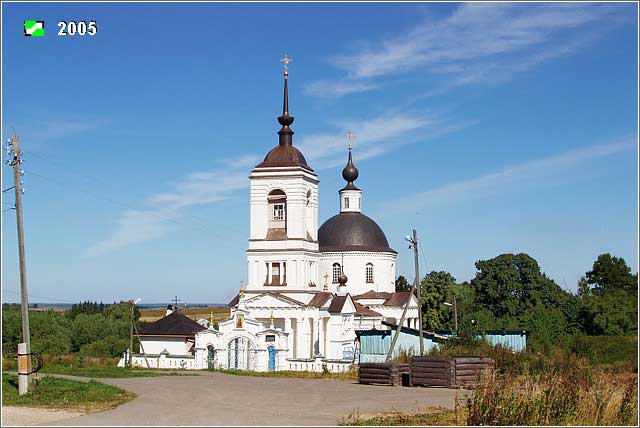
(416, 284)
(130, 333)
(24, 298)
(417, 280)
(455, 312)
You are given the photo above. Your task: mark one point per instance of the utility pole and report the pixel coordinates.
(130, 333)
(455, 313)
(416, 284)
(15, 162)
(414, 242)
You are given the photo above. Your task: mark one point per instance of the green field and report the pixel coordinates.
(64, 394)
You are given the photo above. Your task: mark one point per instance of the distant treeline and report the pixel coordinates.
(511, 292)
(90, 328)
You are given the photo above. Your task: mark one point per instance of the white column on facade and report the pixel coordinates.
(268, 272)
(303, 349)
(317, 336)
(287, 329)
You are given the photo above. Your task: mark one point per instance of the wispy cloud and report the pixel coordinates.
(477, 43)
(498, 182)
(136, 226)
(60, 128)
(374, 137)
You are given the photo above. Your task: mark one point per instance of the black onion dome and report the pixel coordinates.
(352, 231)
(350, 174)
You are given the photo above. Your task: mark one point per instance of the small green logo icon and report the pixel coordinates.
(34, 28)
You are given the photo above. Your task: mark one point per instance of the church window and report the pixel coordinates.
(275, 274)
(278, 211)
(337, 270)
(270, 338)
(346, 203)
(308, 197)
(369, 272)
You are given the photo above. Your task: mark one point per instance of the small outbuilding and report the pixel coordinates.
(374, 344)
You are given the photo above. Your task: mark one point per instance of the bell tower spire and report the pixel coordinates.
(285, 133)
(350, 195)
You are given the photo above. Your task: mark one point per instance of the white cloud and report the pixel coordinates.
(374, 137)
(502, 180)
(478, 42)
(136, 226)
(338, 88)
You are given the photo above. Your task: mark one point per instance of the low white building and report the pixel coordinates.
(309, 289)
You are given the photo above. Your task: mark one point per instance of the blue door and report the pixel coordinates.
(272, 358)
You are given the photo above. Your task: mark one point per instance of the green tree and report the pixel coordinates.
(435, 289)
(402, 284)
(610, 302)
(512, 293)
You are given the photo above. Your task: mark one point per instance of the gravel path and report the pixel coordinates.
(221, 399)
(21, 416)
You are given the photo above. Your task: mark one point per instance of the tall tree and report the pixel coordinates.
(402, 284)
(610, 304)
(436, 288)
(511, 292)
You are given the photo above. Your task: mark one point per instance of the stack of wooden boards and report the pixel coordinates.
(382, 373)
(448, 372)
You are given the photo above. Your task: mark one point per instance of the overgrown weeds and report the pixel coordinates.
(566, 395)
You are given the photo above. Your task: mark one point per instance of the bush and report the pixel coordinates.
(619, 353)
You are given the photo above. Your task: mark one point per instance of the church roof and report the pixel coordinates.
(399, 298)
(236, 299)
(337, 303)
(352, 231)
(363, 310)
(174, 324)
(283, 156)
(373, 295)
(320, 299)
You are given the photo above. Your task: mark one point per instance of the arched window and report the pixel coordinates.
(369, 272)
(308, 197)
(276, 214)
(337, 270)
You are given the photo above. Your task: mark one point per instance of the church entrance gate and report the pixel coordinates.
(272, 358)
(241, 354)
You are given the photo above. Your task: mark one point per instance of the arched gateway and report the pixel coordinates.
(241, 354)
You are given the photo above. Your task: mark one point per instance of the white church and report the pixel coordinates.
(309, 289)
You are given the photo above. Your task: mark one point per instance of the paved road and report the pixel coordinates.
(220, 399)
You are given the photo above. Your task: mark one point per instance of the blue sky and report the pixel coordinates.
(490, 128)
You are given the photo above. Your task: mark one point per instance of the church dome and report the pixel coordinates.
(284, 155)
(352, 231)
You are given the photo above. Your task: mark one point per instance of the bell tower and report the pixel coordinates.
(283, 249)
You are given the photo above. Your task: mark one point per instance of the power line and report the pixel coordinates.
(112, 201)
(89, 178)
(45, 299)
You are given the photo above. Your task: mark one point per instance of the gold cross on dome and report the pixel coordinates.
(286, 60)
(350, 136)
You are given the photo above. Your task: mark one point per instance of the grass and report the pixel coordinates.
(112, 372)
(567, 396)
(64, 394)
(435, 416)
(350, 375)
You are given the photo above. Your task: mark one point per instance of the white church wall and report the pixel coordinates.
(355, 263)
(157, 344)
